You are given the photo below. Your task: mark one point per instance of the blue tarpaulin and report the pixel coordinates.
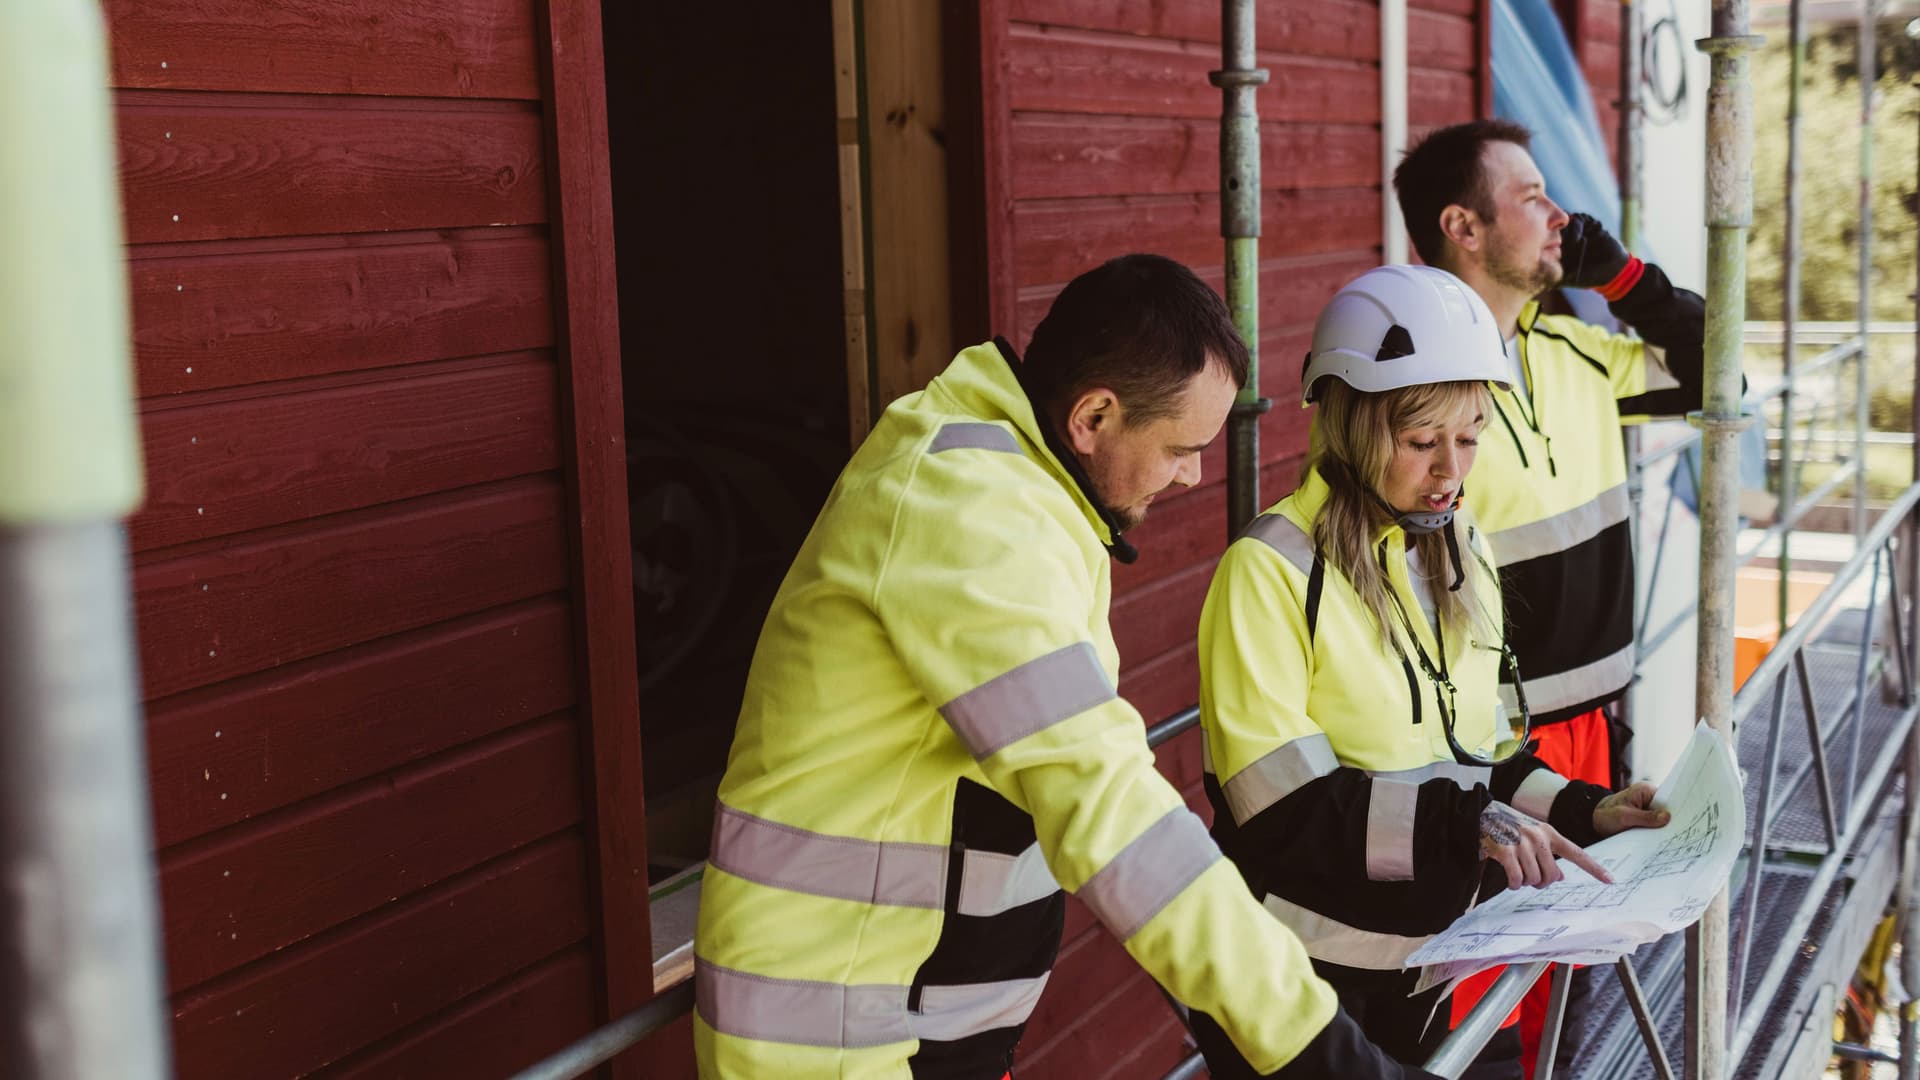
(1537, 81)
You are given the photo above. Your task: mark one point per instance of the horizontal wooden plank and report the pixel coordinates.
(1057, 155)
(1292, 291)
(194, 171)
(1079, 72)
(1438, 98)
(1061, 238)
(220, 469)
(232, 320)
(319, 1002)
(239, 609)
(284, 878)
(1164, 685)
(1437, 39)
(1339, 28)
(1450, 7)
(451, 48)
(1163, 615)
(496, 1033)
(242, 749)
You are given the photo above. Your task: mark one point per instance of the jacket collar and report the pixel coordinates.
(1311, 497)
(985, 381)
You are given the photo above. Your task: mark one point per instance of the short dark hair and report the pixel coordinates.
(1139, 325)
(1445, 169)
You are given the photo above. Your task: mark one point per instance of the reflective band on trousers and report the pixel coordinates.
(1589, 682)
(1390, 830)
(851, 1017)
(1536, 793)
(1029, 699)
(1550, 536)
(965, 436)
(1337, 943)
(1149, 872)
(1282, 535)
(1278, 774)
(871, 871)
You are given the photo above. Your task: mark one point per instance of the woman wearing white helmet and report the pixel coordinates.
(1350, 654)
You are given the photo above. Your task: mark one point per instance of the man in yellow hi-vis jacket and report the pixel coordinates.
(931, 747)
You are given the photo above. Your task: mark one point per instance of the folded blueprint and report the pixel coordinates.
(1662, 880)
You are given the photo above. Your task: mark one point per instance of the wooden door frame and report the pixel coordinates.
(587, 330)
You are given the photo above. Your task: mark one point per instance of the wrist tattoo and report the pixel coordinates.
(1501, 823)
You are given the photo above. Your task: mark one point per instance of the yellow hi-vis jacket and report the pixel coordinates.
(1550, 486)
(1334, 788)
(930, 741)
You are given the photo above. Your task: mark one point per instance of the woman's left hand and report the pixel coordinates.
(1629, 809)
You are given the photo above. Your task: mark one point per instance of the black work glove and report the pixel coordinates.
(1589, 255)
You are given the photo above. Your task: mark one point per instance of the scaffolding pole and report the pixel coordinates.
(1789, 480)
(1729, 215)
(81, 993)
(1909, 906)
(1239, 79)
(1869, 56)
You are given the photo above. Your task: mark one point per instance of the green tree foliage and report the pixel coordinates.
(1830, 176)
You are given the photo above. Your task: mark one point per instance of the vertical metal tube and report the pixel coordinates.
(1910, 847)
(1790, 291)
(1632, 116)
(81, 994)
(1238, 81)
(1729, 215)
(1869, 56)
(1393, 125)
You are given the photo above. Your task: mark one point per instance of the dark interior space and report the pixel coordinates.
(727, 223)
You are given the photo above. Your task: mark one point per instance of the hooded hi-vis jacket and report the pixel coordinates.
(930, 746)
(1550, 485)
(1333, 786)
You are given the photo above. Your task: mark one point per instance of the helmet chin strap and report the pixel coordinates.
(1422, 522)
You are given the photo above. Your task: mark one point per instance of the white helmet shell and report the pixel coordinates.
(1397, 326)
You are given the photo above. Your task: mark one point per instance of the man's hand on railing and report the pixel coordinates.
(1629, 809)
(1526, 847)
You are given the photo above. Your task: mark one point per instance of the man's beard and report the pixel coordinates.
(1532, 280)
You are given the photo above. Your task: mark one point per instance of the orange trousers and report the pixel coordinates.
(1578, 749)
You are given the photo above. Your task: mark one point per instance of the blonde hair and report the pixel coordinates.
(1353, 444)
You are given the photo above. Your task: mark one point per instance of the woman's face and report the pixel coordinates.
(1430, 463)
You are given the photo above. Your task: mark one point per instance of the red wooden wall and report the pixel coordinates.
(378, 618)
(1101, 137)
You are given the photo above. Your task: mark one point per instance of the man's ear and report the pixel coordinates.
(1095, 411)
(1462, 226)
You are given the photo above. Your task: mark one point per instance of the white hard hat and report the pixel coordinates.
(1397, 326)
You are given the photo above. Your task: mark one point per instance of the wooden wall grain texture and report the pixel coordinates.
(362, 572)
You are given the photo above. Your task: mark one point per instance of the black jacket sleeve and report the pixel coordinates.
(1674, 319)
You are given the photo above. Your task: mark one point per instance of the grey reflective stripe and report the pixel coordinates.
(991, 883)
(1659, 376)
(1390, 830)
(1336, 942)
(799, 1011)
(955, 1012)
(1589, 682)
(1282, 535)
(1550, 536)
(1536, 793)
(1149, 872)
(963, 436)
(1029, 699)
(841, 867)
(810, 1013)
(1465, 776)
(1277, 775)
